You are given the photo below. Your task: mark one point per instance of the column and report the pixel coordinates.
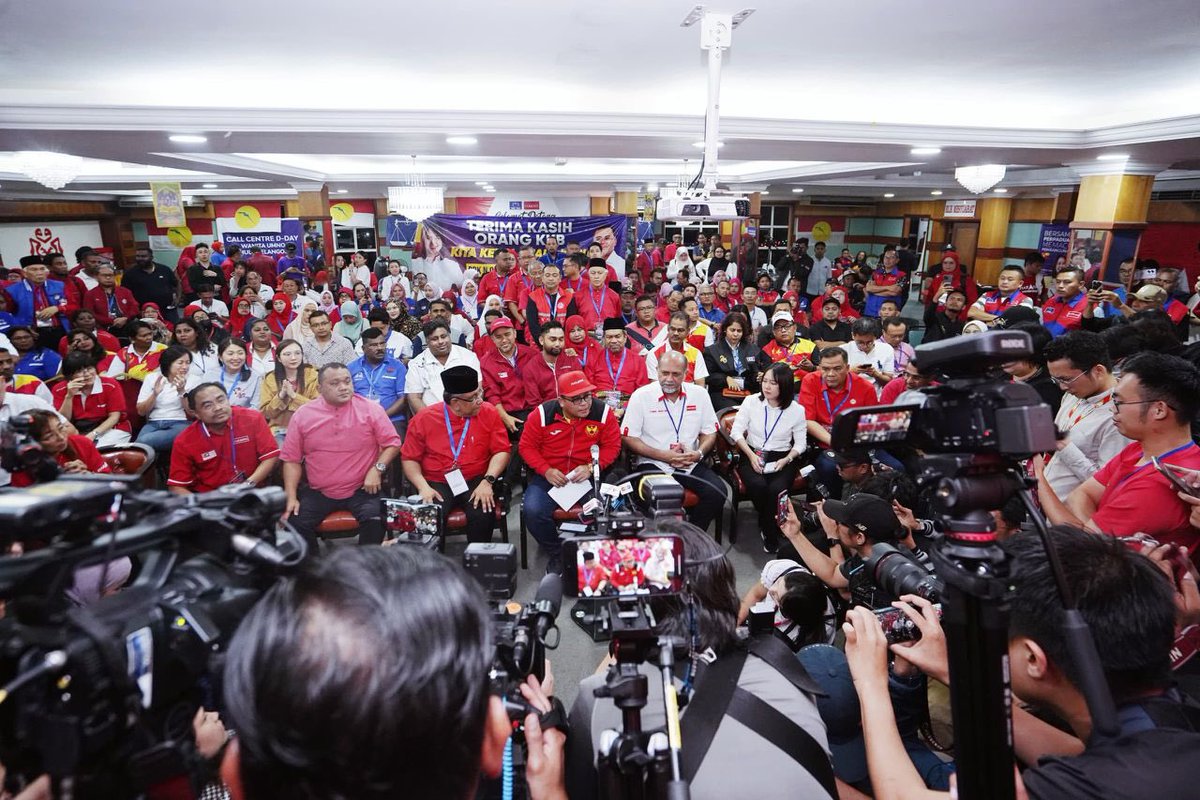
(1111, 208)
(993, 213)
(312, 205)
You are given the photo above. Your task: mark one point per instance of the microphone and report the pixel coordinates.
(544, 608)
(255, 549)
(595, 450)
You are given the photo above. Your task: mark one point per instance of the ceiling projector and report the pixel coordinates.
(702, 206)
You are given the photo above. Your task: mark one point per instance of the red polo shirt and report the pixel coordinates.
(203, 461)
(1140, 500)
(502, 382)
(95, 406)
(541, 381)
(597, 306)
(491, 283)
(428, 442)
(822, 405)
(608, 373)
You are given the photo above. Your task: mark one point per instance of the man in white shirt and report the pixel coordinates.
(357, 272)
(1079, 363)
(423, 384)
(868, 356)
(671, 425)
(822, 270)
(398, 346)
(265, 293)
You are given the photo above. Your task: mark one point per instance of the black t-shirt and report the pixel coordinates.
(837, 332)
(151, 287)
(1154, 764)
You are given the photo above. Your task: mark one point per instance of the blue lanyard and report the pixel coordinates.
(666, 408)
(112, 303)
(237, 473)
(592, 299)
(578, 287)
(767, 433)
(583, 359)
(1161, 458)
(620, 367)
(825, 397)
(552, 302)
(455, 449)
(373, 379)
(737, 360)
(230, 390)
(503, 284)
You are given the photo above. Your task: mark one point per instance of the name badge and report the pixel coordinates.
(208, 455)
(456, 482)
(502, 374)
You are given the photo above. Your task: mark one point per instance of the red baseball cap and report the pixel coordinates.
(499, 324)
(573, 383)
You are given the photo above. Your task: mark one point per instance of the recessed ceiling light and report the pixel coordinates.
(489, 189)
(890, 194)
(936, 192)
(188, 138)
(1113, 157)
(926, 151)
(1000, 191)
(764, 194)
(210, 186)
(461, 140)
(797, 191)
(701, 144)
(342, 191)
(482, 183)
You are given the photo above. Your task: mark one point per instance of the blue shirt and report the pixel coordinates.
(715, 316)
(557, 259)
(383, 382)
(40, 362)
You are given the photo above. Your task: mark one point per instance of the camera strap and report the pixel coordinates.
(718, 695)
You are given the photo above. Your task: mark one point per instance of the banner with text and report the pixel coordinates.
(271, 234)
(472, 242)
(1054, 242)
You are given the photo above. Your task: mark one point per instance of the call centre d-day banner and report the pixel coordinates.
(472, 242)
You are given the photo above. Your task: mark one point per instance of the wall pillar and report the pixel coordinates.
(994, 213)
(1113, 202)
(602, 205)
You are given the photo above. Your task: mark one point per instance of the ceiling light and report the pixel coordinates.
(461, 140)
(188, 138)
(890, 194)
(489, 188)
(1113, 157)
(797, 191)
(936, 192)
(926, 151)
(979, 178)
(209, 186)
(341, 191)
(763, 194)
(482, 183)
(52, 170)
(701, 144)
(1000, 191)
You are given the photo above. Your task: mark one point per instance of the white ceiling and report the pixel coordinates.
(828, 97)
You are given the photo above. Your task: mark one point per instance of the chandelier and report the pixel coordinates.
(979, 179)
(52, 170)
(414, 200)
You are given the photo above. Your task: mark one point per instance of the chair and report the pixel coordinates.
(729, 457)
(456, 520)
(131, 458)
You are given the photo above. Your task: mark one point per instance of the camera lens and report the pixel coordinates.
(897, 574)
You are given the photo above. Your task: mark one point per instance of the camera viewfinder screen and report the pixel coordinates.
(883, 426)
(609, 567)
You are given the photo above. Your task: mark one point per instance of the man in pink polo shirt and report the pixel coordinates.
(344, 442)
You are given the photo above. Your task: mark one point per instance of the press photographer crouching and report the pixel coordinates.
(751, 727)
(1130, 606)
(365, 676)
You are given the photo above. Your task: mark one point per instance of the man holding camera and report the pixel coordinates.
(366, 676)
(1154, 753)
(556, 443)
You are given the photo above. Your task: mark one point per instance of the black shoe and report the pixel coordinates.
(770, 545)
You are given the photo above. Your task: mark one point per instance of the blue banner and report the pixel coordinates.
(271, 242)
(1054, 242)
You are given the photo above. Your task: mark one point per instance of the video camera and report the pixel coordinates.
(101, 697)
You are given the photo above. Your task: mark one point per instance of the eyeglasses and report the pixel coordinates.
(1118, 403)
(1060, 383)
(470, 398)
(579, 398)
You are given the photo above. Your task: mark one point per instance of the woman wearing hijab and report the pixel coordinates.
(682, 260)
(468, 304)
(351, 325)
(330, 306)
(299, 329)
(240, 318)
(281, 314)
(710, 266)
(152, 316)
(400, 320)
(579, 344)
(952, 276)
(429, 294)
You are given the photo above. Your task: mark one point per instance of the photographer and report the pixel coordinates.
(739, 760)
(365, 676)
(1158, 747)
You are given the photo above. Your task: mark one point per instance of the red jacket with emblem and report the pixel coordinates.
(549, 440)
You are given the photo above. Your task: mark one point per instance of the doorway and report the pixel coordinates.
(965, 236)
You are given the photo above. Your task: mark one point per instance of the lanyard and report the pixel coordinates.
(455, 449)
(238, 476)
(595, 305)
(1091, 408)
(503, 284)
(230, 390)
(620, 367)
(552, 302)
(737, 360)
(767, 433)
(674, 424)
(373, 379)
(112, 303)
(1161, 458)
(825, 396)
(577, 286)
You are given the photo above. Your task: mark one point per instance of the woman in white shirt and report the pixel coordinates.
(262, 348)
(204, 363)
(682, 260)
(240, 382)
(395, 274)
(160, 399)
(770, 431)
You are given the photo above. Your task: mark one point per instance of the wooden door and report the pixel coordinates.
(965, 237)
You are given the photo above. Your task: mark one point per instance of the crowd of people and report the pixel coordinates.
(246, 369)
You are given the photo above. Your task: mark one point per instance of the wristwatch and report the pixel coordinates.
(490, 478)
(382, 467)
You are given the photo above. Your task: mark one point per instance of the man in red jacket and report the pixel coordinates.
(501, 366)
(597, 302)
(618, 370)
(556, 444)
(540, 372)
(113, 306)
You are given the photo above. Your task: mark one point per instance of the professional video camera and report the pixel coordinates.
(101, 697)
(972, 431)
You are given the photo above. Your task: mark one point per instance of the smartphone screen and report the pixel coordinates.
(1173, 474)
(781, 507)
(1097, 285)
(599, 567)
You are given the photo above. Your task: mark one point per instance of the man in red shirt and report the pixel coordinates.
(263, 264)
(1154, 402)
(646, 332)
(597, 302)
(516, 296)
(1065, 310)
(501, 366)
(541, 370)
(496, 280)
(113, 306)
(825, 395)
(456, 450)
(225, 445)
(618, 370)
(556, 444)
(547, 303)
